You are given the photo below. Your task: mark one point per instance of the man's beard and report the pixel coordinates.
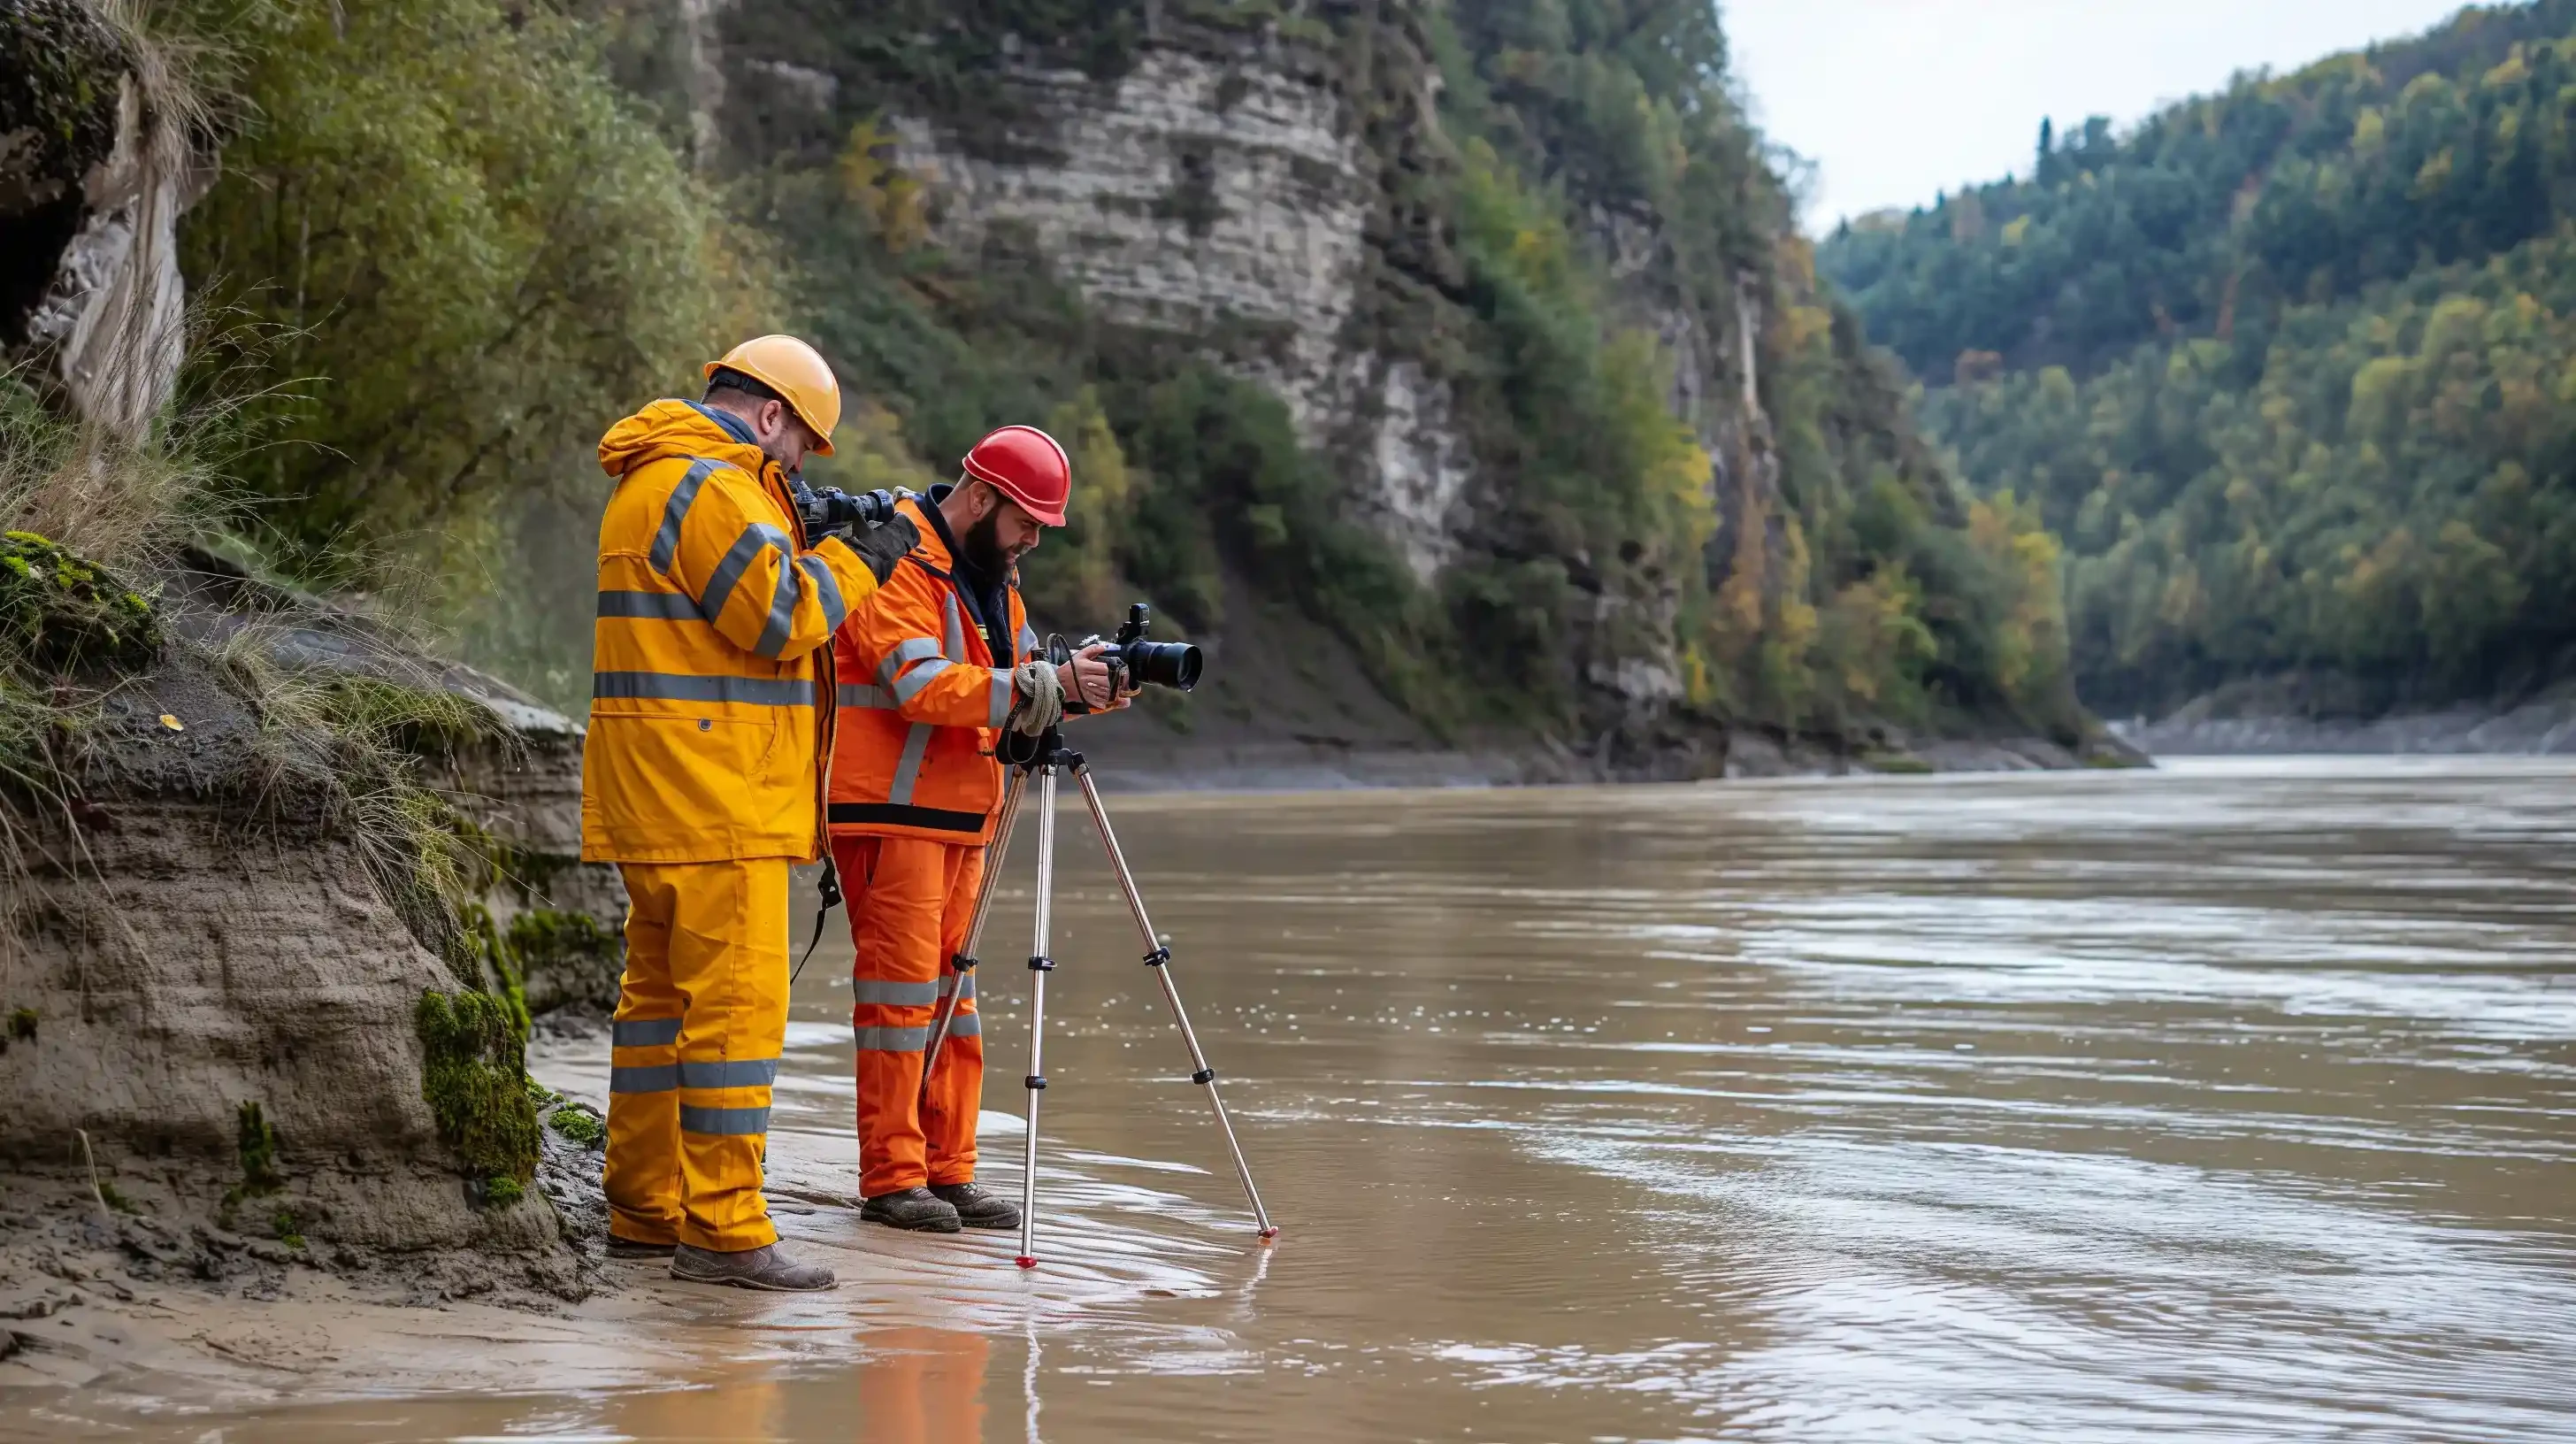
(982, 545)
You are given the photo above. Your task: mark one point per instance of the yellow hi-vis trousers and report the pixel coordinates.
(701, 1016)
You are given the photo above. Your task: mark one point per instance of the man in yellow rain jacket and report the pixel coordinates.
(710, 716)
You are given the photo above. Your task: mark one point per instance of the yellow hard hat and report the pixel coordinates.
(798, 373)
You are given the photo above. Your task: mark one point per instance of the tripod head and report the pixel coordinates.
(1029, 754)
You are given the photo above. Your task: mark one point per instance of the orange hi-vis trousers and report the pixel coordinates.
(911, 902)
(701, 1017)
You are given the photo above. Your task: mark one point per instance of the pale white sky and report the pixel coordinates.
(1896, 99)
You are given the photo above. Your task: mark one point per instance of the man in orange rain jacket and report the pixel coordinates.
(930, 675)
(711, 709)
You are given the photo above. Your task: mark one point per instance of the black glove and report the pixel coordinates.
(883, 546)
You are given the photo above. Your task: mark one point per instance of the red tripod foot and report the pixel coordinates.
(1270, 1233)
(1026, 1261)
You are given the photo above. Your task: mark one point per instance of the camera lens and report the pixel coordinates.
(1164, 664)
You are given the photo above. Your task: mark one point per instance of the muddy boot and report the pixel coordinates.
(752, 1268)
(977, 1207)
(913, 1208)
(629, 1249)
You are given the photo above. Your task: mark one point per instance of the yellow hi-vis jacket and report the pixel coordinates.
(923, 698)
(711, 689)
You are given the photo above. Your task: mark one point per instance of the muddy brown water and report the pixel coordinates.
(2234, 1101)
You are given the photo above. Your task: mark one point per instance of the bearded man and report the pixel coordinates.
(930, 674)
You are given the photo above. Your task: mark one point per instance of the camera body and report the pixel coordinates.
(833, 512)
(1133, 661)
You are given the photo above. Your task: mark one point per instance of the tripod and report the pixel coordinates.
(1047, 756)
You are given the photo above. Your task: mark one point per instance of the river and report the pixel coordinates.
(2233, 1101)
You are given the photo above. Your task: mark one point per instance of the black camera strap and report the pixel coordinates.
(827, 889)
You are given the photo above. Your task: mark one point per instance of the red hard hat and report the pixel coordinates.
(1027, 466)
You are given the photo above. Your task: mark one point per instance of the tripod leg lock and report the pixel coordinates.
(1034, 1082)
(1158, 957)
(1041, 965)
(961, 963)
(1204, 1075)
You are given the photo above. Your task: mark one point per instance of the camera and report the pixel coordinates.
(1135, 662)
(833, 512)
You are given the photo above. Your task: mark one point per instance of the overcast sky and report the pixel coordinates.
(1896, 99)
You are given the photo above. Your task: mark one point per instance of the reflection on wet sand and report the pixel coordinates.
(923, 1386)
(2232, 1103)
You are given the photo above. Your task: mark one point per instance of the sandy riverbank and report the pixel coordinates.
(233, 1323)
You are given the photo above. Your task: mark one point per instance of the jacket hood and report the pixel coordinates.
(933, 546)
(674, 428)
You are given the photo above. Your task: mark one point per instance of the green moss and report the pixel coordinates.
(258, 1148)
(543, 937)
(578, 1124)
(288, 1227)
(108, 1194)
(502, 1192)
(256, 1143)
(22, 1025)
(482, 953)
(474, 1077)
(59, 613)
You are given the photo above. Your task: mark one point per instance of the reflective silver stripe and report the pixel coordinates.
(1027, 642)
(723, 1120)
(862, 694)
(660, 1078)
(907, 768)
(827, 588)
(910, 649)
(964, 1025)
(756, 538)
(909, 685)
(956, 631)
(964, 993)
(681, 687)
(643, 1032)
(782, 613)
(1001, 710)
(892, 1040)
(663, 606)
(737, 1073)
(666, 542)
(893, 994)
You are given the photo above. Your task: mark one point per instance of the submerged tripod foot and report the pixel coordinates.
(1270, 1233)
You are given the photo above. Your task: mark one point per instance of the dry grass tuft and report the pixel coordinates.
(354, 752)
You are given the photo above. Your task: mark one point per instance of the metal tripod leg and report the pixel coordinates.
(962, 966)
(1039, 966)
(1159, 958)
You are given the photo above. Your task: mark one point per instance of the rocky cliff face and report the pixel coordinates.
(1222, 188)
(1447, 292)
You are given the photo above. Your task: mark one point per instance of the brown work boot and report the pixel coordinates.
(977, 1207)
(910, 1208)
(752, 1268)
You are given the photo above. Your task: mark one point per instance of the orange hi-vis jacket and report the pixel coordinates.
(711, 690)
(923, 700)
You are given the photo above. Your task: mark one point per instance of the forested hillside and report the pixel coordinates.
(1671, 492)
(2289, 369)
